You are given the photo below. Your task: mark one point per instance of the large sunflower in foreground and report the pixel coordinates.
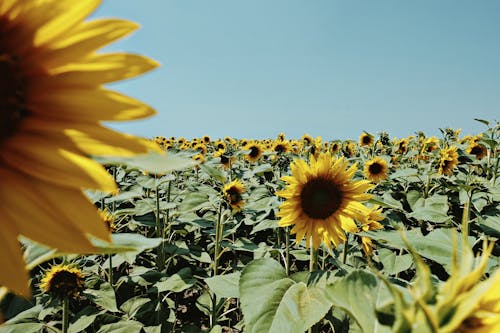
(52, 102)
(322, 200)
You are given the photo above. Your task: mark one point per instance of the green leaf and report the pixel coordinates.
(128, 326)
(126, 242)
(491, 225)
(133, 305)
(213, 173)
(84, 319)
(21, 328)
(225, 285)
(104, 297)
(194, 201)
(358, 294)
(394, 264)
(436, 245)
(153, 163)
(433, 209)
(487, 123)
(178, 282)
(272, 302)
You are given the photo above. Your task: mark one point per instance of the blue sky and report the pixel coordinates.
(251, 69)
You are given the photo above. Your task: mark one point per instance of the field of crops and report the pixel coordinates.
(279, 235)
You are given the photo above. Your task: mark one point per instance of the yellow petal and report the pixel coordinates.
(58, 17)
(96, 70)
(88, 105)
(12, 275)
(36, 219)
(83, 40)
(53, 163)
(75, 208)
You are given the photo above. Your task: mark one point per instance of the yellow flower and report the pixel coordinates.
(366, 139)
(52, 103)
(477, 149)
(63, 281)
(371, 223)
(307, 139)
(255, 152)
(233, 193)
(281, 146)
(376, 169)
(449, 160)
(322, 200)
(462, 304)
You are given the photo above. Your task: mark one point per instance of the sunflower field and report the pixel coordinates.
(377, 234)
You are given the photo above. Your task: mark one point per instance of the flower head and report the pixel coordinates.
(52, 103)
(322, 200)
(376, 169)
(233, 193)
(63, 281)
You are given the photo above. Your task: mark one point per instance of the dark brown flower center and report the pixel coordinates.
(65, 283)
(320, 198)
(279, 148)
(375, 168)
(12, 95)
(254, 152)
(367, 139)
(233, 195)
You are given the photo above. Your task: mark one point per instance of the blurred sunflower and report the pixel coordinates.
(335, 147)
(402, 146)
(63, 281)
(281, 147)
(109, 219)
(366, 139)
(477, 149)
(52, 103)
(226, 161)
(233, 193)
(307, 139)
(322, 200)
(371, 223)
(376, 169)
(448, 161)
(206, 139)
(255, 152)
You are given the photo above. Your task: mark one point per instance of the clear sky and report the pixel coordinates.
(251, 69)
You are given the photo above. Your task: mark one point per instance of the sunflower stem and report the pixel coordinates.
(218, 239)
(287, 250)
(466, 216)
(346, 247)
(110, 273)
(160, 260)
(65, 318)
(313, 258)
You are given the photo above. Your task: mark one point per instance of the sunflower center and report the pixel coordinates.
(65, 283)
(375, 168)
(367, 140)
(234, 195)
(254, 151)
(320, 198)
(12, 95)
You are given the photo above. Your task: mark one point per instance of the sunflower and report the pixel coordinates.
(371, 223)
(477, 149)
(322, 200)
(402, 146)
(335, 147)
(280, 137)
(366, 139)
(200, 158)
(281, 147)
(233, 194)
(376, 169)
(462, 304)
(63, 281)
(108, 219)
(449, 160)
(206, 139)
(255, 152)
(307, 139)
(52, 103)
(226, 161)
(220, 145)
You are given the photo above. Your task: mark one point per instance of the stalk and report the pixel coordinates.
(65, 319)
(218, 239)
(313, 258)
(287, 250)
